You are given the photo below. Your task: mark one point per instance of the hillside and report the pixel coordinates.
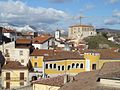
(95, 41)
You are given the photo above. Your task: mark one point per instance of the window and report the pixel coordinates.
(7, 76)
(54, 66)
(93, 66)
(46, 66)
(35, 57)
(21, 76)
(21, 83)
(62, 67)
(21, 53)
(91, 33)
(7, 85)
(50, 66)
(81, 65)
(68, 67)
(35, 64)
(22, 61)
(77, 65)
(6, 53)
(73, 65)
(58, 68)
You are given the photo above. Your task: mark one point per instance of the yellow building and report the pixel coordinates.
(68, 62)
(81, 31)
(14, 75)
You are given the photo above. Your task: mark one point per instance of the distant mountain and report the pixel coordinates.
(18, 28)
(25, 28)
(108, 30)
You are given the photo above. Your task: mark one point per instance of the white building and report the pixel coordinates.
(81, 31)
(57, 34)
(42, 42)
(111, 39)
(20, 54)
(9, 34)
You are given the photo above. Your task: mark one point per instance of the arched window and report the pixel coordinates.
(58, 68)
(73, 65)
(62, 67)
(77, 65)
(81, 65)
(68, 67)
(50, 66)
(54, 65)
(46, 66)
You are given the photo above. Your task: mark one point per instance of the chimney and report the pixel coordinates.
(66, 79)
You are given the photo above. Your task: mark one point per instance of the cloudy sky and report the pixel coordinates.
(53, 14)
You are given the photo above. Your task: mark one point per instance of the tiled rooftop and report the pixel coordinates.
(13, 65)
(23, 41)
(88, 80)
(55, 81)
(41, 39)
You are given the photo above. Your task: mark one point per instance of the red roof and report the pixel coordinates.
(13, 65)
(41, 39)
(56, 54)
(55, 81)
(42, 52)
(23, 41)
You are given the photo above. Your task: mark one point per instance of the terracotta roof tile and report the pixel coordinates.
(56, 54)
(42, 52)
(23, 41)
(110, 70)
(13, 65)
(88, 80)
(62, 55)
(55, 81)
(41, 39)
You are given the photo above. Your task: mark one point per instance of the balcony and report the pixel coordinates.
(15, 78)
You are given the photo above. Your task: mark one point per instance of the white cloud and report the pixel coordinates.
(113, 20)
(17, 12)
(116, 13)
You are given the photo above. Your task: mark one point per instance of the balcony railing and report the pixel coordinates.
(15, 78)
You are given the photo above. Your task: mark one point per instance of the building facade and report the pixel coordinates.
(14, 75)
(42, 42)
(81, 31)
(72, 63)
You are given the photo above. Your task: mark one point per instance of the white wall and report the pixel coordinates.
(110, 82)
(44, 45)
(44, 87)
(18, 57)
(14, 53)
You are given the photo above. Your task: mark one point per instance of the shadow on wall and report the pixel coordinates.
(2, 61)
